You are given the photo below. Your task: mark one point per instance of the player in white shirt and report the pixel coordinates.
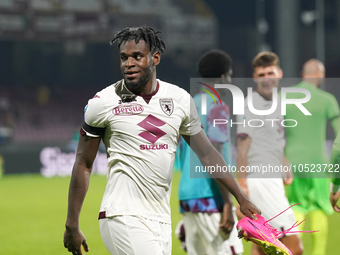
(264, 146)
(264, 129)
(139, 119)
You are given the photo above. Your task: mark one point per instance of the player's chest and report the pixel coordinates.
(270, 125)
(160, 115)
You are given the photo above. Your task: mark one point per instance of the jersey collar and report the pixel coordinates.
(147, 97)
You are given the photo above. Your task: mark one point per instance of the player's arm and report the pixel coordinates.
(335, 185)
(333, 198)
(287, 176)
(224, 192)
(227, 220)
(86, 153)
(333, 114)
(243, 145)
(335, 123)
(209, 156)
(218, 136)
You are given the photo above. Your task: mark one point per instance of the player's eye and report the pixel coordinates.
(138, 57)
(123, 58)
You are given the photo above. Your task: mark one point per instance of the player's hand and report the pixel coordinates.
(287, 177)
(249, 209)
(73, 240)
(288, 181)
(333, 198)
(227, 220)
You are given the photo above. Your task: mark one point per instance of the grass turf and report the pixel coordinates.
(33, 212)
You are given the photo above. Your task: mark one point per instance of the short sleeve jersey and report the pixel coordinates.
(306, 141)
(266, 132)
(140, 139)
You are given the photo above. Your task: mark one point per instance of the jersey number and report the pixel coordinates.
(151, 124)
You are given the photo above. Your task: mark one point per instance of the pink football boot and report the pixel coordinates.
(267, 237)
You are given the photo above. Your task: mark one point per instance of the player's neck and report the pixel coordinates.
(151, 85)
(312, 81)
(265, 96)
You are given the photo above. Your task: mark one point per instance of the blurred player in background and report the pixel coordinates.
(205, 211)
(306, 148)
(265, 146)
(139, 119)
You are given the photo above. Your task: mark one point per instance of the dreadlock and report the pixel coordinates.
(148, 34)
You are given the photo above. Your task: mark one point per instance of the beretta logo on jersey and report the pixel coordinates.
(128, 109)
(167, 105)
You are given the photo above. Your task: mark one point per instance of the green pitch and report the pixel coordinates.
(33, 212)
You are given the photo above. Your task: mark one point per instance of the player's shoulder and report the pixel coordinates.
(324, 97)
(172, 89)
(302, 85)
(310, 87)
(103, 99)
(327, 95)
(256, 99)
(106, 94)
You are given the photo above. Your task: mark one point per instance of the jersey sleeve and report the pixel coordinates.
(219, 133)
(94, 117)
(333, 113)
(333, 110)
(191, 124)
(335, 160)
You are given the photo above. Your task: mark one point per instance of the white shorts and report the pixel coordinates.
(130, 235)
(268, 194)
(202, 235)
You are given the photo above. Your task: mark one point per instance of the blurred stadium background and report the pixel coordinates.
(55, 54)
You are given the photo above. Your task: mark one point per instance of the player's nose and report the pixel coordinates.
(130, 62)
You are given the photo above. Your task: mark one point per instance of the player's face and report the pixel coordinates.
(137, 64)
(267, 78)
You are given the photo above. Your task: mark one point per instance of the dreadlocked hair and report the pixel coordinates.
(148, 34)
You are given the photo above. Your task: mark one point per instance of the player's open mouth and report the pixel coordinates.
(131, 75)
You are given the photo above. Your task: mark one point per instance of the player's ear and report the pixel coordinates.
(156, 58)
(280, 73)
